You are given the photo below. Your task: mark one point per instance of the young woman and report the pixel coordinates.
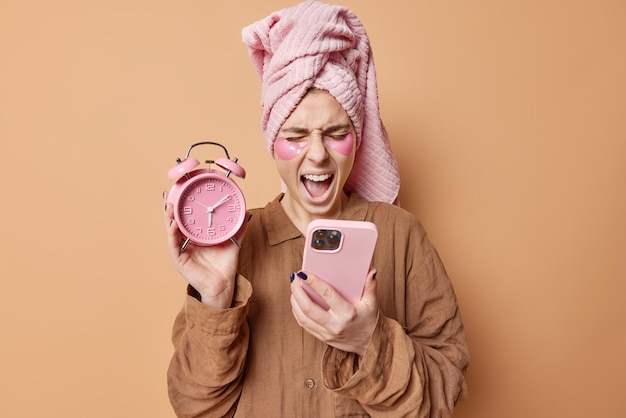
(249, 341)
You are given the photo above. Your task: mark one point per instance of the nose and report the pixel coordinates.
(317, 149)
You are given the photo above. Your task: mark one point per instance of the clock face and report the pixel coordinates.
(210, 209)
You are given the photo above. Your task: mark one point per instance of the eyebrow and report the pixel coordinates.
(326, 131)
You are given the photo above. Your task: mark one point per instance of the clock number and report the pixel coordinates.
(191, 221)
(232, 208)
(222, 228)
(210, 187)
(199, 189)
(187, 210)
(210, 231)
(229, 219)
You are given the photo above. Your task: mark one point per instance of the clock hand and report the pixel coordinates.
(221, 201)
(210, 209)
(202, 204)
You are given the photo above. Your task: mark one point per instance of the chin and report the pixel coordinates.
(328, 205)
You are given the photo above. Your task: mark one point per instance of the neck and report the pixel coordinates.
(301, 218)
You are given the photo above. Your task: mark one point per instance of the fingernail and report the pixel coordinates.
(291, 277)
(302, 275)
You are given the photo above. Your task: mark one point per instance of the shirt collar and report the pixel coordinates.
(279, 226)
(281, 229)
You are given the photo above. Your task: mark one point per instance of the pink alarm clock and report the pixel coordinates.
(209, 207)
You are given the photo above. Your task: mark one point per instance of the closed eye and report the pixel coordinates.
(295, 138)
(339, 137)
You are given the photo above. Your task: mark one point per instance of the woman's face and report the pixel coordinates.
(314, 153)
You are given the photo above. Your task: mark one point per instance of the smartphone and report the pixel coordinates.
(340, 253)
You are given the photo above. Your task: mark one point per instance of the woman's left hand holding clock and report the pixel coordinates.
(211, 270)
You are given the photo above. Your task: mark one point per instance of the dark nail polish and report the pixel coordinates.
(291, 277)
(249, 217)
(302, 275)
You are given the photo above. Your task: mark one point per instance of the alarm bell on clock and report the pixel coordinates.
(209, 207)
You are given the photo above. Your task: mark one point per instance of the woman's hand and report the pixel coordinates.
(210, 270)
(345, 326)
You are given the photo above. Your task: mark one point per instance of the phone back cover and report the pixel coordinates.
(345, 268)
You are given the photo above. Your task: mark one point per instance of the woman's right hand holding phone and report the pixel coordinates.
(346, 326)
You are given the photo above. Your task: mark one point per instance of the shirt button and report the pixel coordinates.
(310, 383)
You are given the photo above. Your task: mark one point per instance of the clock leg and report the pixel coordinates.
(182, 247)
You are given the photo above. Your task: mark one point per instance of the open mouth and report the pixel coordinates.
(317, 184)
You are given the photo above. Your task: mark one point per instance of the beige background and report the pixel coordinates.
(508, 120)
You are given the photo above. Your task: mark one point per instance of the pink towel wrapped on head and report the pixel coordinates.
(318, 45)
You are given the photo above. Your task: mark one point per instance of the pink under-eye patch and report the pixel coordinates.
(286, 150)
(343, 146)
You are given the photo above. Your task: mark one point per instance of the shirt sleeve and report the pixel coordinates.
(210, 348)
(412, 370)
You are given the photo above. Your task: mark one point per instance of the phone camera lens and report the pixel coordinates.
(333, 237)
(318, 244)
(326, 239)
